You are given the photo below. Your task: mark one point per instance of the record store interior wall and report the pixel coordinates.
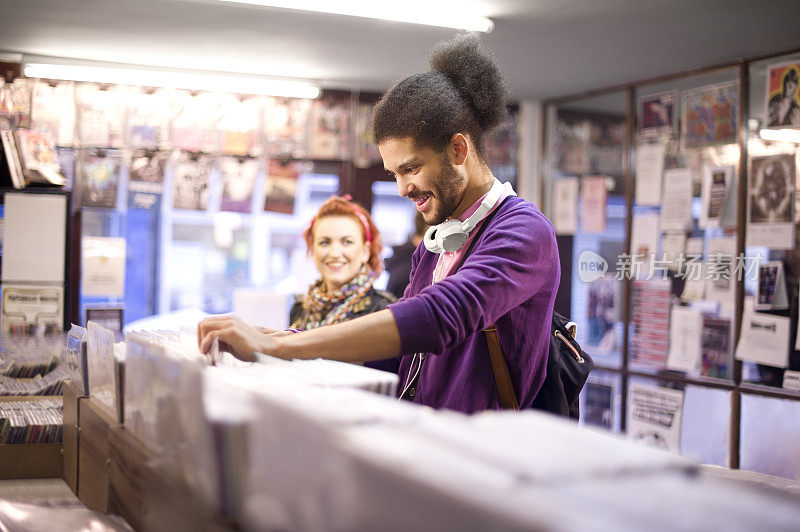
(675, 204)
(199, 199)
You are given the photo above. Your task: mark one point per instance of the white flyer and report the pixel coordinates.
(654, 416)
(103, 266)
(676, 204)
(644, 242)
(770, 202)
(716, 186)
(673, 246)
(649, 170)
(685, 338)
(720, 271)
(565, 205)
(764, 338)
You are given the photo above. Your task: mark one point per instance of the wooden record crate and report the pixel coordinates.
(94, 426)
(149, 500)
(30, 460)
(71, 434)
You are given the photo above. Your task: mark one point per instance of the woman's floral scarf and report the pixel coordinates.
(323, 308)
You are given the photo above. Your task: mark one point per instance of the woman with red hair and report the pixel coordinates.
(346, 247)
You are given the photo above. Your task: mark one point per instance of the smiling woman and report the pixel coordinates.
(346, 247)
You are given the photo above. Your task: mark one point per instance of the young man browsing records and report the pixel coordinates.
(430, 129)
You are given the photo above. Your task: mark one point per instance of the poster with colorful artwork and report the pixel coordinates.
(783, 95)
(710, 115)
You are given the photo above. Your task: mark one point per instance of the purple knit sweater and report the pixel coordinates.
(510, 278)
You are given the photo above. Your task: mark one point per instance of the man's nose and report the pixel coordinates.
(404, 187)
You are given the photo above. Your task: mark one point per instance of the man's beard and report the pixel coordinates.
(446, 191)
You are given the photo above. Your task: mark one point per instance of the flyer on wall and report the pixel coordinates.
(783, 95)
(716, 347)
(716, 186)
(656, 116)
(654, 416)
(770, 205)
(710, 115)
(565, 202)
(30, 309)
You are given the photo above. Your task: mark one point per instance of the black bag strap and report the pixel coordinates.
(502, 377)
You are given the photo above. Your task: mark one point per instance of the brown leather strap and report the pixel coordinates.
(500, 369)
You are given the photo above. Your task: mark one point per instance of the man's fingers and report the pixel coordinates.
(209, 324)
(210, 336)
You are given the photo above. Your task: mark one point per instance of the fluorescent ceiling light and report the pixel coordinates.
(430, 13)
(780, 135)
(173, 79)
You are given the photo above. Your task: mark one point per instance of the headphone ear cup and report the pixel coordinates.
(430, 240)
(451, 236)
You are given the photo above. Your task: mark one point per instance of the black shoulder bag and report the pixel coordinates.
(568, 366)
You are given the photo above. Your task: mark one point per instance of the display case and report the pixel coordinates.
(706, 277)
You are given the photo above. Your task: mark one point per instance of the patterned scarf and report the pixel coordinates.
(323, 308)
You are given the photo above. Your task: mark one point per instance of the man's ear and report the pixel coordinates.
(458, 149)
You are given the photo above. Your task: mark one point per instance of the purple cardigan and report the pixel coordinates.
(510, 278)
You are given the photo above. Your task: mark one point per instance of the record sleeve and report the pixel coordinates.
(146, 178)
(99, 179)
(241, 124)
(39, 159)
(194, 127)
(286, 124)
(53, 111)
(281, 186)
(238, 180)
(330, 129)
(571, 153)
(147, 118)
(100, 115)
(191, 179)
(366, 150)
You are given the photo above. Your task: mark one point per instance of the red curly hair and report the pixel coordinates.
(343, 206)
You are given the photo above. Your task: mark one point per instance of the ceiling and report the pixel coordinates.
(547, 48)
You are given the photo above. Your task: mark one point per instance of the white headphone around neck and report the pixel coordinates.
(450, 235)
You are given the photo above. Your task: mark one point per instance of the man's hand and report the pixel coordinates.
(236, 337)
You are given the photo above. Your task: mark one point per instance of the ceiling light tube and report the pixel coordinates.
(419, 12)
(780, 135)
(173, 79)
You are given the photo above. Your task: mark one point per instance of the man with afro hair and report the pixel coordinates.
(430, 129)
